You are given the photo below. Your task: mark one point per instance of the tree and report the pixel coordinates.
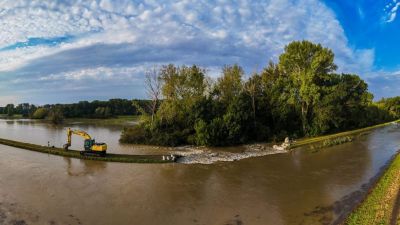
(56, 115)
(182, 88)
(10, 109)
(392, 105)
(253, 89)
(40, 113)
(307, 64)
(229, 85)
(103, 112)
(153, 83)
(279, 111)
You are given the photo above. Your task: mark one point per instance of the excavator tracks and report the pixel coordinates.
(93, 153)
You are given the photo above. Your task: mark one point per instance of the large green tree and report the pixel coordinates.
(182, 88)
(307, 64)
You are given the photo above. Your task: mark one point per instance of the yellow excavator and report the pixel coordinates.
(91, 148)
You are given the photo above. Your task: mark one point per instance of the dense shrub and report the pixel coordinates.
(40, 113)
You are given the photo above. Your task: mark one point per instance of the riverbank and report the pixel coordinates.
(321, 139)
(116, 121)
(13, 117)
(76, 154)
(382, 205)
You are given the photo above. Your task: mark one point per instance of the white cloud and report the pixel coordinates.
(128, 74)
(6, 99)
(209, 33)
(391, 11)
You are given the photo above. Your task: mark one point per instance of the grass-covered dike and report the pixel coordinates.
(382, 204)
(76, 154)
(328, 140)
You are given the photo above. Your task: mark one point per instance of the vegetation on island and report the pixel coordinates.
(299, 96)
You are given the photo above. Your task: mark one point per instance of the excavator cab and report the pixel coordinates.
(87, 144)
(91, 148)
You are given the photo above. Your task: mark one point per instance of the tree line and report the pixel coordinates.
(82, 109)
(300, 95)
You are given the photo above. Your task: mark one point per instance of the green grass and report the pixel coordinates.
(117, 121)
(314, 140)
(332, 142)
(379, 205)
(15, 116)
(76, 154)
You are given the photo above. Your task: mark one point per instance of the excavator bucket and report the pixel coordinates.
(66, 146)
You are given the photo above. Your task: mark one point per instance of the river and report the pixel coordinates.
(301, 187)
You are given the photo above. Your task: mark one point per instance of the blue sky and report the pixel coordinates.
(66, 51)
(368, 24)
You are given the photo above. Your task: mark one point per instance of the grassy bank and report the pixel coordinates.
(117, 121)
(322, 139)
(15, 116)
(76, 154)
(382, 205)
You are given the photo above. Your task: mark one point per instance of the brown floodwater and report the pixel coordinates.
(301, 187)
(44, 133)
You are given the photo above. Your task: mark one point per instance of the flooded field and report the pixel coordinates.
(299, 187)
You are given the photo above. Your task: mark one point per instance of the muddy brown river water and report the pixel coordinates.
(300, 187)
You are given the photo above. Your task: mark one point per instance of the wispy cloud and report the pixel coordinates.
(384, 84)
(391, 11)
(360, 12)
(62, 41)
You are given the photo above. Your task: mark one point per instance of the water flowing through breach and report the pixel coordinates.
(192, 155)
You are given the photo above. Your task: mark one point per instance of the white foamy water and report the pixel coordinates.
(207, 156)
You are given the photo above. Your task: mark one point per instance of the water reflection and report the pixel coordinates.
(83, 167)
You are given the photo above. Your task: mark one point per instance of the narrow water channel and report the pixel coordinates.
(300, 187)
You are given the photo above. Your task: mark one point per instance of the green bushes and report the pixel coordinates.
(332, 142)
(56, 115)
(337, 141)
(102, 112)
(40, 113)
(211, 134)
(136, 135)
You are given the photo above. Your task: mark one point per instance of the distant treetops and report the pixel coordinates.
(301, 95)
